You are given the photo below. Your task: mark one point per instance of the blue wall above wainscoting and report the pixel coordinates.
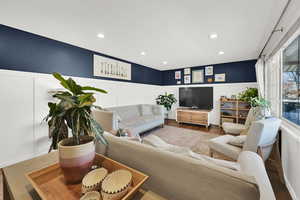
(236, 72)
(23, 51)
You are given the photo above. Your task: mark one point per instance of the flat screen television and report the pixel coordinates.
(196, 97)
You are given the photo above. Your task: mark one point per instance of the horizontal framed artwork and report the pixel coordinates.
(220, 77)
(111, 68)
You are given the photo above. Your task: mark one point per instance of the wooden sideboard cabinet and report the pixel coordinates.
(193, 116)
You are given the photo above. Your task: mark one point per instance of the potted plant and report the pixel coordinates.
(248, 94)
(166, 100)
(73, 111)
(261, 107)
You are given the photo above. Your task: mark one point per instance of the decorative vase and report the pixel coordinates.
(261, 112)
(76, 160)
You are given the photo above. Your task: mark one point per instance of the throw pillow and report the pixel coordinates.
(238, 141)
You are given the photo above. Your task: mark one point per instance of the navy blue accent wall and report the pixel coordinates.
(236, 72)
(23, 51)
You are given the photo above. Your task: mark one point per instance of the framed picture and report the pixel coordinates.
(178, 75)
(187, 71)
(209, 71)
(220, 77)
(111, 68)
(187, 79)
(198, 76)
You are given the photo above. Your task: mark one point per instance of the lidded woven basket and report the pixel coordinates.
(92, 181)
(116, 185)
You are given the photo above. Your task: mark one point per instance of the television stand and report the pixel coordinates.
(193, 116)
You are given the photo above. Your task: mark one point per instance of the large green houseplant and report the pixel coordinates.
(248, 94)
(166, 100)
(73, 111)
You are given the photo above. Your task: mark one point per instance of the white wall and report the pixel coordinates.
(24, 98)
(226, 89)
(23, 105)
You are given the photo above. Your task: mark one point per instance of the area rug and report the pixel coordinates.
(196, 140)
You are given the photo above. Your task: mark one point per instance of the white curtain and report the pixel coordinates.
(259, 68)
(272, 89)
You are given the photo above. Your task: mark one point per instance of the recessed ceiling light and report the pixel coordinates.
(165, 62)
(221, 52)
(143, 53)
(213, 36)
(100, 35)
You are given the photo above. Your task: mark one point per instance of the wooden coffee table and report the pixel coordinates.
(17, 187)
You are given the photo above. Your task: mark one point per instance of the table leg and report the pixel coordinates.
(6, 195)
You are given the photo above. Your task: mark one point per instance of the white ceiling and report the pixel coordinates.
(167, 30)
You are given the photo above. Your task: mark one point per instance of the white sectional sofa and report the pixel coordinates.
(178, 177)
(135, 118)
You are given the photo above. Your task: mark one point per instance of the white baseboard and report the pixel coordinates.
(290, 189)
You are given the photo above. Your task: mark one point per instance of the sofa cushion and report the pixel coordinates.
(150, 118)
(233, 128)
(220, 144)
(157, 142)
(238, 141)
(127, 112)
(146, 110)
(133, 122)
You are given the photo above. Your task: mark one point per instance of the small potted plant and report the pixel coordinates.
(166, 100)
(73, 111)
(261, 107)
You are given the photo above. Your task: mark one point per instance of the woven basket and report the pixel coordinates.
(116, 185)
(92, 181)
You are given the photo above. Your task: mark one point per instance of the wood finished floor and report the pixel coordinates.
(280, 189)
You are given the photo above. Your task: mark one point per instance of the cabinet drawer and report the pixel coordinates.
(200, 121)
(183, 116)
(199, 116)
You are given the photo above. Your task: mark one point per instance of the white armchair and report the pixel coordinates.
(235, 128)
(260, 139)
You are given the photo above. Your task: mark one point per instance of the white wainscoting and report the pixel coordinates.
(290, 151)
(23, 105)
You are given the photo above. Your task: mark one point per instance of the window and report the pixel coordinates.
(291, 82)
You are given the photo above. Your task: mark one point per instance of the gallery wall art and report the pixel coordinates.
(209, 71)
(198, 76)
(178, 75)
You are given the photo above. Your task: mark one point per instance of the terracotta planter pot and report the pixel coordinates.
(76, 161)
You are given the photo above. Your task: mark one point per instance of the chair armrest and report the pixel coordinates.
(253, 165)
(107, 119)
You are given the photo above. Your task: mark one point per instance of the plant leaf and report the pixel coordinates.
(94, 89)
